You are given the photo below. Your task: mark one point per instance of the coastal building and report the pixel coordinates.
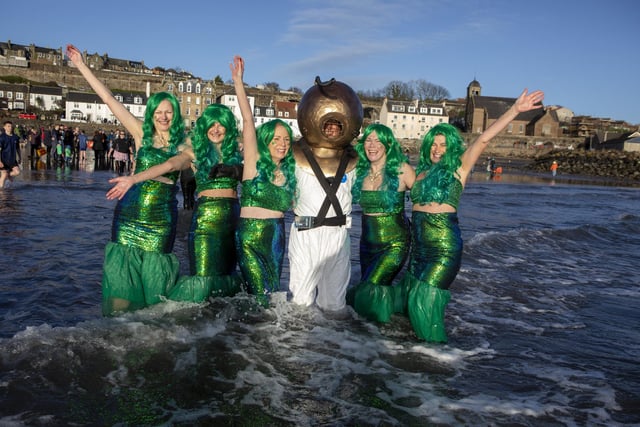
(193, 94)
(88, 107)
(482, 111)
(14, 96)
(46, 98)
(411, 119)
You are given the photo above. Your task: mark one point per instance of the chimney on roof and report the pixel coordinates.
(148, 90)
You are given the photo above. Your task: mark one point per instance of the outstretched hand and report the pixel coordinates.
(73, 53)
(123, 184)
(529, 101)
(237, 68)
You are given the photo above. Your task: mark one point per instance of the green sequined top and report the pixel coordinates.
(265, 195)
(221, 182)
(452, 199)
(151, 156)
(373, 202)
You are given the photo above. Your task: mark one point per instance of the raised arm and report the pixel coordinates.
(124, 183)
(525, 102)
(128, 120)
(248, 126)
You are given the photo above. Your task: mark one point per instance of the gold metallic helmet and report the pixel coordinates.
(330, 114)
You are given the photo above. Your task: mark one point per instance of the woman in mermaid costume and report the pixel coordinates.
(268, 189)
(213, 152)
(217, 161)
(383, 174)
(443, 168)
(139, 268)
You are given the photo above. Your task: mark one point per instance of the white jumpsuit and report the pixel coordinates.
(320, 258)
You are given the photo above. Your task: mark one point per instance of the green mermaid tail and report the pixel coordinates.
(133, 278)
(200, 288)
(374, 302)
(426, 306)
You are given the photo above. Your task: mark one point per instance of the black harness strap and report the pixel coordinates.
(330, 188)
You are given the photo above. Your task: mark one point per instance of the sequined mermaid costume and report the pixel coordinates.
(212, 254)
(384, 247)
(139, 268)
(260, 242)
(433, 265)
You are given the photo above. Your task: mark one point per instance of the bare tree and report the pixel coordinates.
(400, 91)
(427, 91)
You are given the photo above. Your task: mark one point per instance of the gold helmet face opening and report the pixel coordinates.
(330, 115)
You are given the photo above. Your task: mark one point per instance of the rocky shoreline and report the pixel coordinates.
(611, 166)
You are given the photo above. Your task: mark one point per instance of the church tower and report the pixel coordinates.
(473, 90)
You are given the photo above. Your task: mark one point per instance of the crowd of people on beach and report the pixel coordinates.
(55, 146)
(241, 182)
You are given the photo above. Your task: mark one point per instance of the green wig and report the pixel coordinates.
(206, 155)
(265, 165)
(395, 159)
(176, 130)
(439, 176)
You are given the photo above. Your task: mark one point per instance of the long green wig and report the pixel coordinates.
(265, 166)
(438, 178)
(395, 159)
(176, 130)
(206, 154)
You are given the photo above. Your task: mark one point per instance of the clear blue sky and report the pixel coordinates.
(583, 54)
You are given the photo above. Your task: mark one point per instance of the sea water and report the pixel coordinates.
(543, 325)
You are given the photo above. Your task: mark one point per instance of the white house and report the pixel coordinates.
(411, 119)
(46, 98)
(88, 107)
(231, 101)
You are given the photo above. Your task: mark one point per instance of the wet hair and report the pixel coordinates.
(438, 177)
(265, 165)
(176, 130)
(206, 155)
(395, 159)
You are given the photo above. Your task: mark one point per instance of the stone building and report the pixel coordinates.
(482, 111)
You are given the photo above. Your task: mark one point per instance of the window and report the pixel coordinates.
(197, 100)
(180, 87)
(424, 110)
(1, 93)
(208, 91)
(280, 114)
(188, 100)
(412, 109)
(256, 111)
(510, 128)
(521, 128)
(286, 114)
(197, 112)
(9, 95)
(189, 87)
(198, 88)
(170, 87)
(137, 100)
(436, 111)
(19, 96)
(270, 112)
(118, 98)
(397, 108)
